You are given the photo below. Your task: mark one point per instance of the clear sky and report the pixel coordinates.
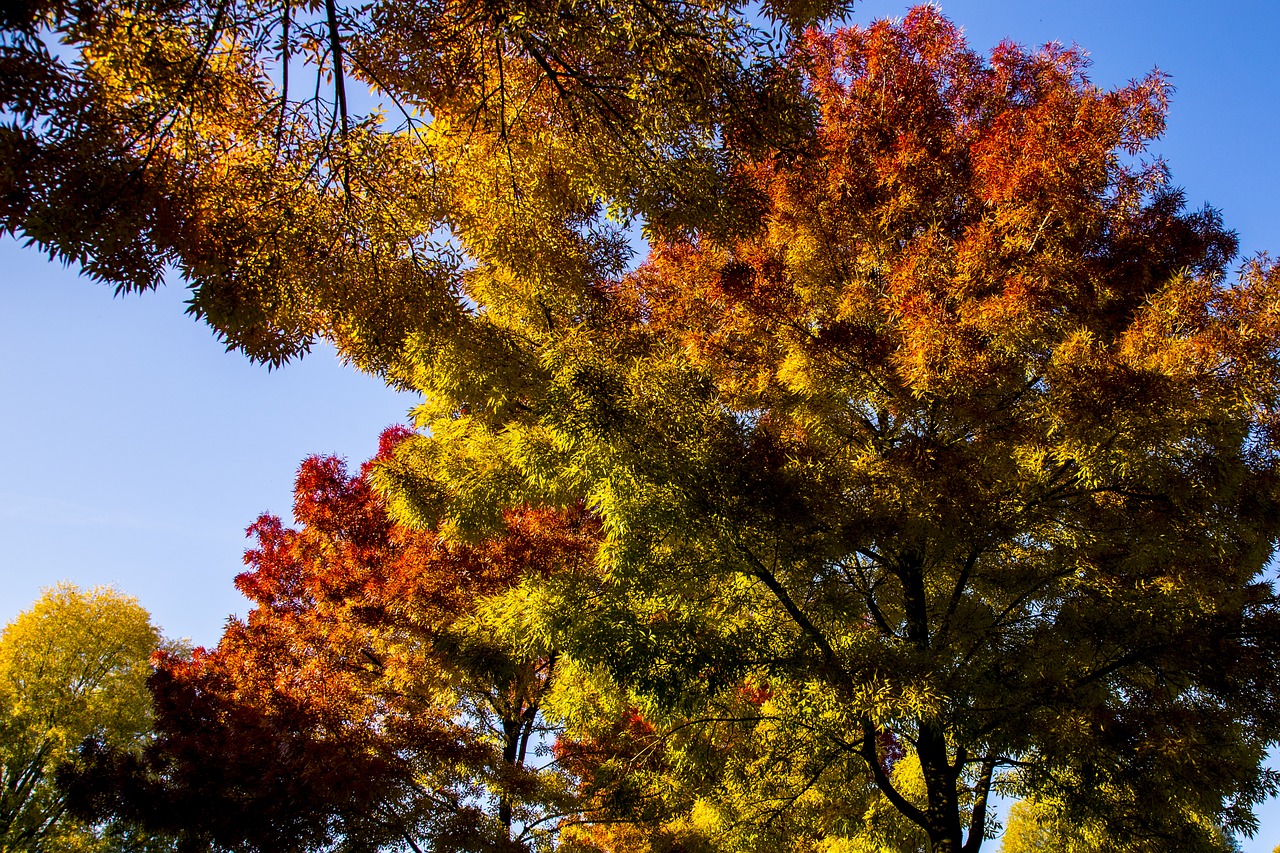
(135, 451)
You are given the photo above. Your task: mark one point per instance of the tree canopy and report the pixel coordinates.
(1034, 825)
(932, 448)
(219, 137)
(971, 440)
(73, 666)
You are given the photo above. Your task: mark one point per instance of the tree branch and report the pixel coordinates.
(978, 823)
(339, 86)
(867, 750)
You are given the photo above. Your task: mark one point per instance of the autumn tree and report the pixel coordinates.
(73, 666)
(380, 693)
(970, 442)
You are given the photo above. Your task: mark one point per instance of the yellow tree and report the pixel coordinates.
(74, 666)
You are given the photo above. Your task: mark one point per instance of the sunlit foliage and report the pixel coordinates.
(971, 440)
(1036, 825)
(232, 139)
(73, 666)
(930, 453)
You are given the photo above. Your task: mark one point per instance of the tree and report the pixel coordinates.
(72, 667)
(971, 441)
(381, 692)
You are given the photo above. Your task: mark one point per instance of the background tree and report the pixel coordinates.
(1028, 829)
(380, 694)
(74, 666)
(971, 441)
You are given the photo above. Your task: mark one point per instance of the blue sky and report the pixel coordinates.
(135, 451)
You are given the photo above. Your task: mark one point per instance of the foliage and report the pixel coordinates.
(218, 137)
(381, 692)
(746, 771)
(1036, 825)
(971, 441)
(933, 423)
(74, 666)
